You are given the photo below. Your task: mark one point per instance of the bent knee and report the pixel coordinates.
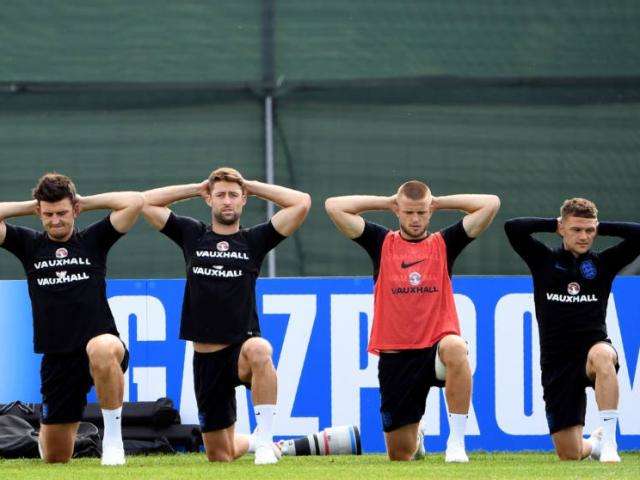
(219, 456)
(602, 359)
(400, 455)
(453, 351)
(569, 455)
(56, 458)
(257, 351)
(106, 350)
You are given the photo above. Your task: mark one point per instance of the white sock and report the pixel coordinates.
(595, 446)
(609, 420)
(252, 443)
(264, 423)
(112, 427)
(457, 429)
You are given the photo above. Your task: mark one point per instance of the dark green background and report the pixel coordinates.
(533, 101)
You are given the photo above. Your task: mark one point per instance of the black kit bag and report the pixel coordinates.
(18, 438)
(27, 411)
(158, 414)
(88, 443)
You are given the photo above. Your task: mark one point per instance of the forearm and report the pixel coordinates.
(356, 204)
(110, 201)
(467, 202)
(282, 196)
(164, 196)
(480, 210)
(626, 230)
(529, 225)
(17, 209)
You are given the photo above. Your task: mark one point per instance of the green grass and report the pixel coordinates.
(193, 467)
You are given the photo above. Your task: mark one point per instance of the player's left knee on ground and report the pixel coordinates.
(56, 458)
(258, 353)
(567, 454)
(401, 455)
(103, 352)
(402, 443)
(220, 455)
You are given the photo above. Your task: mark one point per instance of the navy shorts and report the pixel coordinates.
(65, 383)
(215, 378)
(405, 379)
(564, 383)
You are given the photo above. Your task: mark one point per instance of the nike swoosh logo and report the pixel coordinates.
(560, 267)
(407, 265)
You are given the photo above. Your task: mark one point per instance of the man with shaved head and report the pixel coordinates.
(415, 329)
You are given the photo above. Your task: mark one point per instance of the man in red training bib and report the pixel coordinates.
(415, 330)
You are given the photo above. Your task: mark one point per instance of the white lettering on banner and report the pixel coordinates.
(152, 383)
(347, 378)
(629, 413)
(151, 325)
(509, 365)
(302, 314)
(468, 328)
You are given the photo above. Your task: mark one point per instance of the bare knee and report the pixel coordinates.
(400, 455)
(219, 456)
(258, 353)
(453, 352)
(602, 360)
(103, 352)
(56, 458)
(569, 454)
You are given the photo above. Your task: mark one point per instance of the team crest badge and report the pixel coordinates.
(573, 288)
(62, 253)
(222, 246)
(588, 269)
(414, 278)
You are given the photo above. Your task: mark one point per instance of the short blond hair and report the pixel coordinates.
(578, 207)
(414, 190)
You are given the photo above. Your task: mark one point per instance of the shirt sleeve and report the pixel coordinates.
(102, 234)
(617, 257)
(519, 232)
(18, 240)
(371, 240)
(455, 238)
(182, 229)
(263, 237)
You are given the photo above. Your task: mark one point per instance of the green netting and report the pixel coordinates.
(116, 40)
(377, 38)
(533, 101)
(130, 149)
(532, 157)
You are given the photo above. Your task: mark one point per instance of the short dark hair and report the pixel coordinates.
(578, 207)
(414, 190)
(226, 174)
(53, 187)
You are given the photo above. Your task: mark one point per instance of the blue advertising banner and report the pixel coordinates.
(319, 328)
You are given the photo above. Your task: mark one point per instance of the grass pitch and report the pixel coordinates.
(194, 466)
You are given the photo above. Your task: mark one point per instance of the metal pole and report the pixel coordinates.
(269, 170)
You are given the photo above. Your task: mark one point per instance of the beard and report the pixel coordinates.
(228, 220)
(410, 234)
